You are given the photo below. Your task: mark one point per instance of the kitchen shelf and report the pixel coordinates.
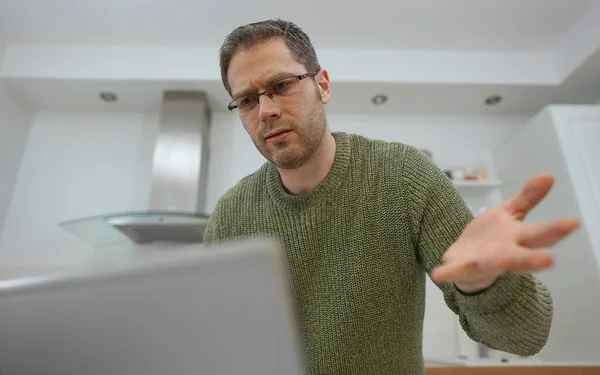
(469, 187)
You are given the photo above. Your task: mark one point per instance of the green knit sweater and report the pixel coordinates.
(358, 248)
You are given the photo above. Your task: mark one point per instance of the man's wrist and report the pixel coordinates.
(475, 287)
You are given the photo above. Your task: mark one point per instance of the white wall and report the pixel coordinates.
(86, 163)
(15, 121)
(75, 165)
(81, 164)
(228, 139)
(455, 141)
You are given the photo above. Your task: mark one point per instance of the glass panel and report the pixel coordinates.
(139, 227)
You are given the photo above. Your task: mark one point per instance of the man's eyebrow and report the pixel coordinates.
(269, 81)
(279, 76)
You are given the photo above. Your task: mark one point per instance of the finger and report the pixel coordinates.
(547, 234)
(525, 261)
(530, 195)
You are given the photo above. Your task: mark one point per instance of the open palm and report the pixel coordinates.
(499, 241)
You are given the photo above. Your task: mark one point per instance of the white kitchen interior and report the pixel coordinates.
(509, 90)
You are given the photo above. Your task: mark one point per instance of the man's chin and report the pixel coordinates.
(288, 160)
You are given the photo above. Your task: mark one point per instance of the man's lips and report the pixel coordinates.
(278, 136)
(276, 133)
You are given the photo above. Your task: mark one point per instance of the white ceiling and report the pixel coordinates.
(144, 96)
(488, 31)
(400, 24)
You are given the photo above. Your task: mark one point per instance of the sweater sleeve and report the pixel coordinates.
(514, 315)
(214, 231)
(211, 231)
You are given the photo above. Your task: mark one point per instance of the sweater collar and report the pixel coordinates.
(336, 175)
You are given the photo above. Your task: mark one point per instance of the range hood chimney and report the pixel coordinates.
(176, 210)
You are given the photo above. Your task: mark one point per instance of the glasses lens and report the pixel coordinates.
(283, 87)
(245, 103)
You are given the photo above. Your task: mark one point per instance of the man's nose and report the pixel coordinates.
(268, 108)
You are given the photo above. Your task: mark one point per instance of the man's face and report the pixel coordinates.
(285, 129)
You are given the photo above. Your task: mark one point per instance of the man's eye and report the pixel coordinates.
(244, 102)
(281, 86)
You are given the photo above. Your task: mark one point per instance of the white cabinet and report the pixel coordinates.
(579, 133)
(565, 142)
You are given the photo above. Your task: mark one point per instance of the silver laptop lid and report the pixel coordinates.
(195, 311)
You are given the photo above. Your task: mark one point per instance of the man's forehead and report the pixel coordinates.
(260, 65)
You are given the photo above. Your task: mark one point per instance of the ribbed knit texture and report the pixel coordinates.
(358, 248)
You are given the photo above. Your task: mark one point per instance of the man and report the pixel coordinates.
(361, 221)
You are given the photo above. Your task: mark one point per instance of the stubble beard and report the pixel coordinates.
(295, 153)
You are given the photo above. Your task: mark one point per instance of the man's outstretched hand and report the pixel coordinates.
(499, 241)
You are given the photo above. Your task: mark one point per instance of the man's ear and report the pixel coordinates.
(322, 79)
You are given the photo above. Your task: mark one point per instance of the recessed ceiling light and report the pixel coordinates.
(379, 99)
(493, 100)
(108, 96)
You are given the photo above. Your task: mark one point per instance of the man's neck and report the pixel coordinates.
(306, 178)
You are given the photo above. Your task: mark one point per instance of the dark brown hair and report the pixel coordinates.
(252, 34)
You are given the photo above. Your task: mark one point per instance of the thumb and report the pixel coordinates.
(532, 193)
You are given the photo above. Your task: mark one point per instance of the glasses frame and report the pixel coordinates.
(255, 97)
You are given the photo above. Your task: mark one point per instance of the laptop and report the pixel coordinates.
(217, 311)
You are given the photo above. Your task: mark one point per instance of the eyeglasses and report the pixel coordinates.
(283, 87)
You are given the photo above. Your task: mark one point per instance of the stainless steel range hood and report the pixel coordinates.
(176, 210)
